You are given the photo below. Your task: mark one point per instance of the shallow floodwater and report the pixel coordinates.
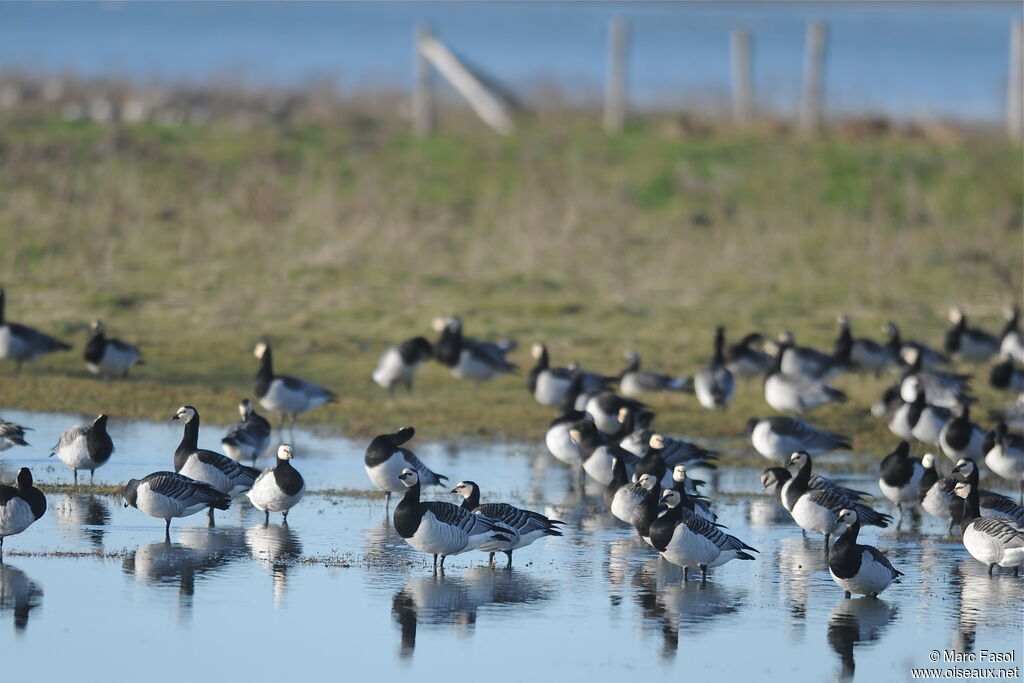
(93, 589)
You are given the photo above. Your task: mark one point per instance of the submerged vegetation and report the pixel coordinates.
(338, 236)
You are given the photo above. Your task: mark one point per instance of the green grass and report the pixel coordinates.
(337, 237)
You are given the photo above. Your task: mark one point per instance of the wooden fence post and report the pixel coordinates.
(809, 118)
(615, 84)
(742, 95)
(423, 88)
(1015, 84)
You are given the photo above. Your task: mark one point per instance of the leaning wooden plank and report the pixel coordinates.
(486, 105)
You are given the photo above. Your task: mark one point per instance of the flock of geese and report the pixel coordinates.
(606, 435)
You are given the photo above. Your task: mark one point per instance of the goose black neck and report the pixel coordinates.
(619, 476)
(1009, 327)
(543, 361)
(849, 537)
(449, 346)
(189, 443)
(802, 480)
(473, 501)
(1, 307)
(287, 477)
(972, 506)
(407, 513)
(266, 370)
(719, 358)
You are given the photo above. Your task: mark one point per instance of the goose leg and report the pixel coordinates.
(76, 476)
(435, 563)
(443, 558)
(686, 574)
(990, 568)
(826, 545)
(899, 522)
(266, 517)
(703, 574)
(92, 475)
(509, 565)
(284, 517)
(167, 530)
(1, 549)
(490, 559)
(212, 523)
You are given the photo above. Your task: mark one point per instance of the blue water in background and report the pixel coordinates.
(900, 59)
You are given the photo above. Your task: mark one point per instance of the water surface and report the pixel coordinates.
(337, 590)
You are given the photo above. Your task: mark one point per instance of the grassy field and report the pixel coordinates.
(338, 237)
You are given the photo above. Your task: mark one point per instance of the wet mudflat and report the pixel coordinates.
(93, 589)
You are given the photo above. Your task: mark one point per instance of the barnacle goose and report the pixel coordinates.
(385, 460)
(166, 495)
(278, 488)
(249, 437)
(714, 385)
(935, 493)
(398, 364)
(866, 355)
(441, 528)
(689, 541)
(19, 506)
(817, 510)
(808, 363)
(647, 511)
(21, 342)
(690, 497)
(633, 381)
(284, 395)
(913, 417)
(1004, 455)
(621, 495)
(606, 410)
(945, 389)
(990, 540)
(900, 476)
(1006, 376)
(12, 435)
(858, 569)
(109, 357)
(1011, 341)
(558, 441)
(970, 344)
(744, 360)
(216, 469)
(468, 358)
(796, 393)
(527, 525)
(598, 452)
(961, 438)
(85, 447)
(930, 358)
(546, 384)
(776, 477)
(670, 451)
(777, 438)
(994, 504)
(662, 455)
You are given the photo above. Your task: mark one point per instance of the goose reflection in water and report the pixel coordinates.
(438, 600)
(799, 559)
(18, 593)
(275, 547)
(196, 551)
(989, 601)
(855, 622)
(669, 602)
(83, 515)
